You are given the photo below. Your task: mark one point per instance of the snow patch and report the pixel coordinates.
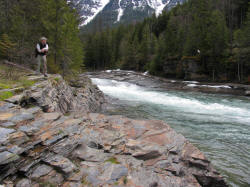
(120, 12)
(157, 5)
(96, 10)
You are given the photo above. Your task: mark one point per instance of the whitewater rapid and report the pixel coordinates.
(185, 103)
(219, 125)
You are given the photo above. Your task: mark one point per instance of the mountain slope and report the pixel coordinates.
(110, 12)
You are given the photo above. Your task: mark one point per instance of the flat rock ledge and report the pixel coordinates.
(47, 148)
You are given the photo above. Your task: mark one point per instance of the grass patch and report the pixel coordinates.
(27, 83)
(7, 84)
(113, 160)
(12, 77)
(4, 86)
(46, 184)
(116, 183)
(5, 95)
(57, 79)
(60, 131)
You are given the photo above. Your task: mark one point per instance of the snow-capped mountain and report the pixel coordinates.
(113, 11)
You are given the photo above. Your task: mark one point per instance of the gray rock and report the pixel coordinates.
(6, 106)
(18, 138)
(29, 130)
(51, 116)
(60, 162)
(26, 165)
(66, 146)
(33, 110)
(38, 124)
(16, 150)
(86, 153)
(24, 183)
(21, 117)
(72, 129)
(15, 99)
(147, 155)
(8, 124)
(4, 132)
(54, 139)
(41, 171)
(3, 148)
(7, 157)
(114, 172)
(92, 176)
(74, 184)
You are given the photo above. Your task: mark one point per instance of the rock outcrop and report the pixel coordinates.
(54, 94)
(40, 146)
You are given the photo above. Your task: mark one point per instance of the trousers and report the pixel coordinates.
(42, 59)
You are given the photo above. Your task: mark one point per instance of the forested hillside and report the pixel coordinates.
(23, 22)
(201, 39)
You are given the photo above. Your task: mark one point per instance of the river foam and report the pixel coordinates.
(132, 92)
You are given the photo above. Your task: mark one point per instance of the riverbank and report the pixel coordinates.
(218, 124)
(144, 79)
(50, 137)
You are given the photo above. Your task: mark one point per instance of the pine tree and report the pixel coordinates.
(6, 47)
(217, 39)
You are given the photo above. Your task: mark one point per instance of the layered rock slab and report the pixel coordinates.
(104, 150)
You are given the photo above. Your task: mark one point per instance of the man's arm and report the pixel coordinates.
(46, 48)
(38, 48)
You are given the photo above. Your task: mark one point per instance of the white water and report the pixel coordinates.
(131, 92)
(218, 125)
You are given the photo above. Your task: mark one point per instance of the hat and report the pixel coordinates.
(43, 38)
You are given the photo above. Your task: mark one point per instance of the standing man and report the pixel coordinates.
(42, 49)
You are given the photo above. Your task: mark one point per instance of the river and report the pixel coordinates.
(219, 125)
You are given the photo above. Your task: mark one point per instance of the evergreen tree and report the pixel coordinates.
(6, 47)
(217, 39)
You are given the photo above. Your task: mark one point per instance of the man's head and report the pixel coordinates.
(43, 40)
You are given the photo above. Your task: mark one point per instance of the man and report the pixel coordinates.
(42, 49)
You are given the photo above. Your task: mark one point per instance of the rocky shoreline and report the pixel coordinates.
(51, 135)
(146, 80)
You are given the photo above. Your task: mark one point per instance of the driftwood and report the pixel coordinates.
(18, 66)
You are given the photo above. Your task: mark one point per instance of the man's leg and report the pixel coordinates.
(38, 59)
(44, 65)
